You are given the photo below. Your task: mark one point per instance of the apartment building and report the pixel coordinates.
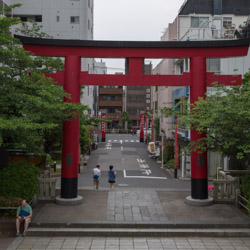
(199, 20)
(63, 19)
(138, 99)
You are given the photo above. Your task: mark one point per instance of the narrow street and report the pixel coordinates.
(131, 161)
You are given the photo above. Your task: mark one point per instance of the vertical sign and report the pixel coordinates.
(103, 128)
(141, 127)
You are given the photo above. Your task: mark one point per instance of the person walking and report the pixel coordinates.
(96, 176)
(111, 175)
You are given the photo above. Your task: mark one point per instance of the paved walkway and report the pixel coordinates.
(135, 206)
(101, 243)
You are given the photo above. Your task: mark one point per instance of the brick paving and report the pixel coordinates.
(127, 243)
(135, 206)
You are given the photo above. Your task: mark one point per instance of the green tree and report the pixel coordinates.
(125, 118)
(225, 119)
(30, 103)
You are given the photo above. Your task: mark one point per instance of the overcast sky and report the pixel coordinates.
(136, 20)
(133, 19)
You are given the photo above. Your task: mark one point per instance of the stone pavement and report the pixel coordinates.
(134, 206)
(102, 243)
(137, 206)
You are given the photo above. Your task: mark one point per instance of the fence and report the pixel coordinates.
(46, 188)
(225, 187)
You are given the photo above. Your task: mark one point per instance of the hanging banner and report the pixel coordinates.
(103, 128)
(152, 128)
(141, 127)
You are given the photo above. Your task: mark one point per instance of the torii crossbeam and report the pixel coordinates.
(135, 53)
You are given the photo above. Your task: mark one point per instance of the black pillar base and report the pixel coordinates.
(199, 189)
(175, 173)
(103, 139)
(141, 140)
(69, 188)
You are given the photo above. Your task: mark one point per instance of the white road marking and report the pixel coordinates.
(121, 141)
(132, 141)
(121, 148)
(144, 166)
(141, 161)
(143, 177)
(137, 140)
(115, 140)
(147, 172)
(126, 140)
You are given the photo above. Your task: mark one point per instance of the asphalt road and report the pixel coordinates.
(131, 162)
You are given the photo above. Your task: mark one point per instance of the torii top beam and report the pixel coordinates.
(135, 52)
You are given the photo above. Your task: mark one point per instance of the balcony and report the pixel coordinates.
(110, 103)
(118, 91)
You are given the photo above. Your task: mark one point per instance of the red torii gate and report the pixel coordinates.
(135, 52)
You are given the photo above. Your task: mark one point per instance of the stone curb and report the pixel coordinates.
(121, 232)
(146, 225)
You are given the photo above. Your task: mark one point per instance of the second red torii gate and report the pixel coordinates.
(135, 52)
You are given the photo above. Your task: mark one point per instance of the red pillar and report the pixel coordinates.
(71, 128)
(199, 181)
(141, 127)
(152, 127)
(103, 124)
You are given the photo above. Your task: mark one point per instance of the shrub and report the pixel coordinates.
(19, 180)
(170, 164)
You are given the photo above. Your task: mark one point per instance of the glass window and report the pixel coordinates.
(74, 19)
(227, 22)
(199, 22)
(38, 19)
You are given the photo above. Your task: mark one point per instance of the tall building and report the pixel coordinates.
(138, 99)
(63, 19)
(111, 103)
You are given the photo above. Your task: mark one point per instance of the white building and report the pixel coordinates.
(62, 19)
(200, 20)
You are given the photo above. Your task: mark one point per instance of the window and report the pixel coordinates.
(88, 24)
(147, 101)
(148, 90)
(38, 19)
(213, 65)
(199, 22)
(74, 19)
(227, 22)
(58, 18)
(148, 95)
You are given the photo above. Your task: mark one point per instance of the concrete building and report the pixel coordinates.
(199, 20)
(110, 102)
(63, 19)
(138, 99)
